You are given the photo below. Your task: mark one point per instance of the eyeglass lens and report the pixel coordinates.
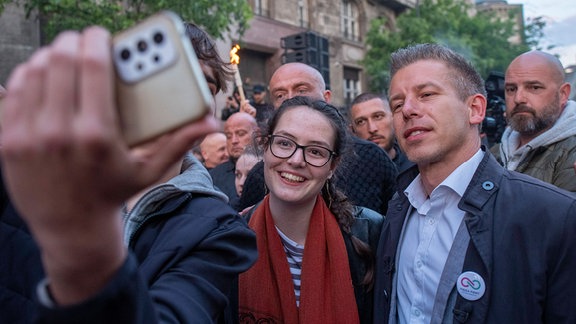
(283, 147)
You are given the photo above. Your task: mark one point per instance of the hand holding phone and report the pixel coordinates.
(160, 85)
(65, 163)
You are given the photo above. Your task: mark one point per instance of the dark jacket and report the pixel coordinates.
(183, 268)
(223, 176)
(367, 176)
(401, 160)
(366, 227)
(263, 111)
(522, 243)
(20, 265)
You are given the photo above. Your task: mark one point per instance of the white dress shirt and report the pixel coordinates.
(427, 237)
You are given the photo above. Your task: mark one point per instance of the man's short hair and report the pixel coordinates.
(366, 96)
(467, 81)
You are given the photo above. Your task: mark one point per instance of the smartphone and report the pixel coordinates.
(159, 83)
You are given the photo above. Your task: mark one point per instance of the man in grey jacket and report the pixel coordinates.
(541, 138)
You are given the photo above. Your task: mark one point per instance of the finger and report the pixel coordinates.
(96, 79)
(61, 95)
(26, 90)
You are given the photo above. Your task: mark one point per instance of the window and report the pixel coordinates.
(352, 87)
(261, 8)
(349, 20)
(303, 13)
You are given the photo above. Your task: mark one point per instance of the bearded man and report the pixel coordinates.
(540, 139)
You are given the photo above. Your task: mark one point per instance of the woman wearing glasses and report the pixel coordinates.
(315, 250)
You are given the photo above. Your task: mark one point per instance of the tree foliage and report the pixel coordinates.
(482, 38)
(534, 32)
(217, 17)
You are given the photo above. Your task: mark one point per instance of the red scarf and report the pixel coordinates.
(326, 292)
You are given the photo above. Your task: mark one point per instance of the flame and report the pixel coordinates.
(234, 57)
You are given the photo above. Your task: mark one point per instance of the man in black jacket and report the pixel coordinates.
(371, 119)
(465, 240)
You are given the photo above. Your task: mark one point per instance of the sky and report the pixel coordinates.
(560, 30)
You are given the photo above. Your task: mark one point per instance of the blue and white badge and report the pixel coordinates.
(471, 286)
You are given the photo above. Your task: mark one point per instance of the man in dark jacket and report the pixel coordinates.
(258, 101)
(464, 239)
(239, 130)
(371, 119)
(68, 175)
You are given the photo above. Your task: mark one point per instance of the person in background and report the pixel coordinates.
(315, 249)
(258, 101)
(125, 235)
(213, 150)
(244, 164)
(371, 119)
(239, 130)
(232, 105)
(195, 150)
(466, 240)
(369, 175)
(540, 139)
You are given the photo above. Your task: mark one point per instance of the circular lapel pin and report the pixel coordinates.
(471, 286)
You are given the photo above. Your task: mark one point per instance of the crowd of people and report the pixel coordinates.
(290, 212)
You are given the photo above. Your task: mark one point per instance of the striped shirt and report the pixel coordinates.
(294, 254)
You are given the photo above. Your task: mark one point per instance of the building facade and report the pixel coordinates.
(344, 23)
(19, 38)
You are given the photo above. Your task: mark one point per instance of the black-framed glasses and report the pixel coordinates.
(283, 147)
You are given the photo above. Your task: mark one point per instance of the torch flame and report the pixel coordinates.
(234, 57)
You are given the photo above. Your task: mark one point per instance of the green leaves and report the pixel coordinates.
(481, 38)
(217, 17)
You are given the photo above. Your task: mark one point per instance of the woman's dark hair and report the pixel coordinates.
(336, 200)
(207, 52)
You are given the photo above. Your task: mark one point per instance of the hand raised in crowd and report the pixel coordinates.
(66, 165)
(248, 108)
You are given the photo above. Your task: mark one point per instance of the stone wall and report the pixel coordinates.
(19, 37)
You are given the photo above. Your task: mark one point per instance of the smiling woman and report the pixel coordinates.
(305, 277)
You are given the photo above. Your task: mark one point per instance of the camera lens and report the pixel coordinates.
(125, 54)
(158, 37)
(142, 46)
